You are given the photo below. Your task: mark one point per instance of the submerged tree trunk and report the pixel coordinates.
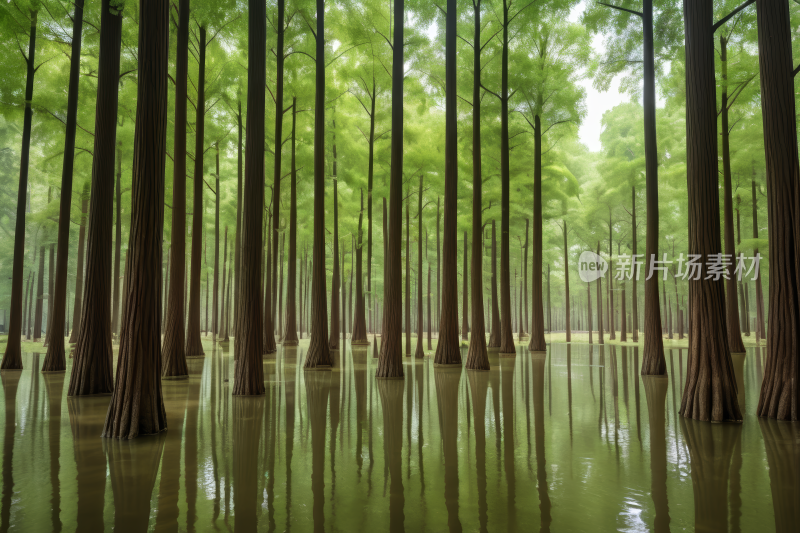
(448, 349)
(780, 391)
(390, 361)
(290, 333)
(77, 309)
(137, 407)
(93, 353)
(55, 361)
(318, 354)
(359, 320)
(494, 334)
(731, 311)
(710, 390)
(174, 362)
(12, 357)
(194, 345)
(477, 355)
(249, 370)
(653, 362)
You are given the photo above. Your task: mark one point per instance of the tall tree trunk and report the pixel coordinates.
(223, 332)
(524, 273)
(359, 320)
(76, 309)
(634, 280)
(780, 391)
(549, 307)
(710, 390)
(760, 334)
(93, 354)
(25, 300)
(370, 174)
(612, 323)
(238, 252)
(280, 312)
(318, 354)
(438, 262)
(589, 310)
(731, 311)
(215, 295)
(249, 370)
(174, 362)
(744, 321)
(599, 304)
(55, 360)
(333, 342)
(290, 334)
(494, 334)
(537, 342)
(137, 407)
(12, 357)
(269, 345)
(194, 345)
(465, 294)
(568, 323)
(276, 179)
(653, 362)
(390, 362)
(448, 350)
(117, 244)
(477, 356)
(420, 352)
(430, 317)
(407, 302)
(506, 333)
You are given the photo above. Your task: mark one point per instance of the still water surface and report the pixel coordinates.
(572, 441)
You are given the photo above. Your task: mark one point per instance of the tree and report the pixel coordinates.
(779, 389)
(249, 372)
(12, 357)
(92, 365)
(137, 407)
(174, 363)
(710, 391)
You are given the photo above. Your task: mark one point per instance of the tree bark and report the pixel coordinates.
(599, 304)
(215, 294)
(223, 332)
(635, 281)
(420, 352)
(389, 361)
(359, 335)
(465, 293)
(653, 362)
(249, 370)
(194, 346)
(710, 390)
(290, 334)
(93, 354)
(407, 301)
(477, 355)
(174, 362)
(55, 361)
(779, 390)
(370, 175)
(494, 334)
(137, 407)
(77, 309)
(568, 323)
(238, 253)
(117, 244)
(537, 342)
(333, 342)
(760, 334)
(279, 112)
(318, 354)
(731, 311)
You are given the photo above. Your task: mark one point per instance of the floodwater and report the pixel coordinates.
(572, 441)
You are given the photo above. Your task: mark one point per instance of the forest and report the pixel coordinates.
(407, 176)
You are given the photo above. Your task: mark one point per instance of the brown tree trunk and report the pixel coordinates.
(465, 294)
(537, 342)
(420, 352)
(333, 342)
(599, 304)
(318, 354)
(76, 309)
(215, 294)
(635, 281)
(710, 390)
(280, 311)
(238, 252)
(780, 390)
(268, 328)
(430, 316)
(731, 311)
(567, 317)
(12, 357)
(759, 327)
(653, 362)
(407, 300)
(117, 244)
(92, 365)
(359, 320)
(524, 273)
(194, 346)
(612, 323)
(249, 370)
(174, 355)
(55, 361)
(494, 334)
(25, 304)
(137, 407)
(744, 314)
(438, 262)
(477, 355)
(223, 332)
(370, 175)
(290, 333)
(390, 362)
(280, 57)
